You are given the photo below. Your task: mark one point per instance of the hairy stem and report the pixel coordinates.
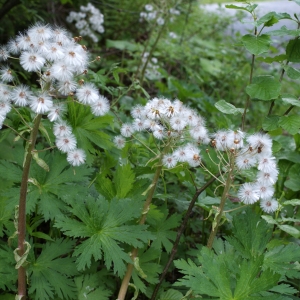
(22, 207)
(179, 233)
(222, 203)
(134, 252)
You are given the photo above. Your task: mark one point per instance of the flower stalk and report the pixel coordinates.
(22, 207)
(223, 201)
(134, 252)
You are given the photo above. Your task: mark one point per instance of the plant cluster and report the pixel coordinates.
(167, 169)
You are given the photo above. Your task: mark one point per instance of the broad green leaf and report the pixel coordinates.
(8, 273)
(283, 31)
(276, 146)
(292, 181)
(293, 50)
(270, 123)
(264, 87)
(256, 44)
(290, 230)
(293, 202)
(269, 219)
(103, 225)
(269, 60)
(249, 8)
(291, 100)
(290, 123)
(228, 108)
(122, 45)
(292, 72)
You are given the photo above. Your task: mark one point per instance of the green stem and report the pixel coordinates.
(134, 252)
(22, 207)
(222, 203)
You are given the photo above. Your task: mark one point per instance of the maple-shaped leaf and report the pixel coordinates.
(8, 273)
(146, 268)
(103, 224)
(163, 228)
(50, 275)
(50, 191)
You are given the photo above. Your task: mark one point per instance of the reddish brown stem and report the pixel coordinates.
(22, 207)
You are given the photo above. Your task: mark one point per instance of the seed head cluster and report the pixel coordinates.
(253, 151)
(57, 59)
(171, 123)
(88, 21)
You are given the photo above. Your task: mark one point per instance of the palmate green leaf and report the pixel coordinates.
(163, 230)
(103, 224)
(91, 287)
(146, 269)
(119, 184)
(50, 275)
(280, 258)
(89, 129)
(264, 87)
(250, 234)
(171, 294)
(256, 44)
(8, 273)
(284, 289)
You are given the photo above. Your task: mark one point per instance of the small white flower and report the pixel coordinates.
(13, 46)
(261, 143)
(41, 104)
(160, 21)
(4, 92)
(75, 56)
(54, 52)
(20, 95)
(173, 35)
(40, 31)
(6, 74)
(66, 143)
(269, 205)
(138, 125)
(169, 161)
(159, 134)
(62, 71)
(235, 139)
(248, 193)
(32, 61)
(266, 164)
(61, 129)
(177, 123)
(138, 112)
(245, 161)
(76, 157)
(119, 141)
(56, 111)
(100, 107)
(183, 154)
(87, 94)
(24, 42)
(148, 7)
(221, 140)
(264, 191)
(67, 87)
(127, 130)
(3, 53)
(268, 178)
(199, 134)
(5, 107)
